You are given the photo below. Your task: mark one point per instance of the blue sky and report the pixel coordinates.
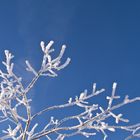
(102, 39)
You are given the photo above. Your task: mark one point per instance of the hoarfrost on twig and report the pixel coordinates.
(93, 117)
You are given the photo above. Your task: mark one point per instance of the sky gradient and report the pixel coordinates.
(102, 39)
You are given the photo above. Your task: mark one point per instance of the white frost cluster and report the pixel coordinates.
(49, 65)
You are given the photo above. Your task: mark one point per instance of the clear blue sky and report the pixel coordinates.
(103, 43)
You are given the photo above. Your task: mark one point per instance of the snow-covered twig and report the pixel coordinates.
(92, 119)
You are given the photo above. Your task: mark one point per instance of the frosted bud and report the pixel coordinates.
(82, 95)
(114, 85)
(6, 51)
(49, 46)
(126, 100)
(42, 44)
(64, 47)
(94, 87)
(70, 100)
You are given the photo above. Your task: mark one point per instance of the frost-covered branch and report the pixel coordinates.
(92, 119)
(88, 121)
